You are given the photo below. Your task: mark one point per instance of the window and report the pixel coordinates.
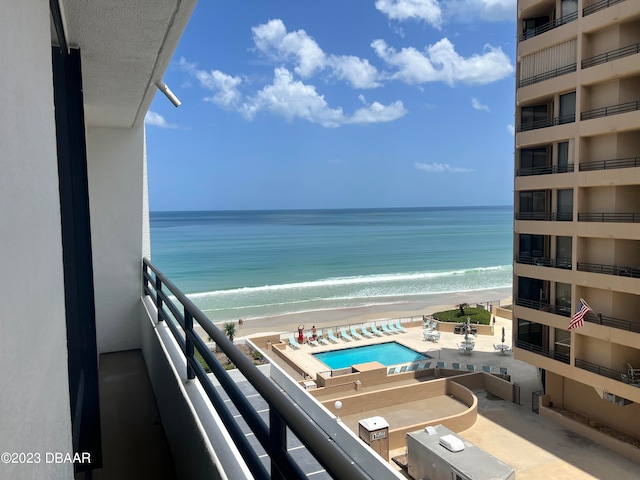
(532, 333)
(532, 245)
(563, 298)
(563, 252)
(562, 344)
(563, 157)
(569, 8)
(567, 108)
(530, 25)
(534, 161)
(565, 204)
(533, 205)
(533, 289)
(533, 117)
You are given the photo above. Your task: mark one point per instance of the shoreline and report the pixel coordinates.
(344, 316)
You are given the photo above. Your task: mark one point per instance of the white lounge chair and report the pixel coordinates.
(442, 364)
(398, 326)
(386, 329)
(331, 337)
(365, 332)
(345, 336)
(354, 333)
(324, 341)
(312, 342)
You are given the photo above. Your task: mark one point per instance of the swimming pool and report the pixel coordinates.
(390, 353)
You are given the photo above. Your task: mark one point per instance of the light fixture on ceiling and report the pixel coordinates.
(168, 93)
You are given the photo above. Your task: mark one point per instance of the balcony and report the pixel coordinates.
(547, 75)
(270, 431)
(525, 127)
(609, 217)
(547, 170)
(612, 322)
(545, 352)
(564, 311)
(609, 269)
(545, 216)
(610, 56)
(548, 26)
(564, 263)
(612, 110)
(600, 370)
(630, 162)
(596, 7)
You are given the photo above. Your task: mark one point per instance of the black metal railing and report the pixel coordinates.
(602, 4)
(610, 56)
(564, 311)
(548, 26)
(541, 77)
(612, 322)
(544, 262)
(630, 162)
(555, 355)
(609, 217)
(600, 370)
(525, 127)
(612, 110)
(547, 170)
(545, 216)
(618, 270)
(283, 413)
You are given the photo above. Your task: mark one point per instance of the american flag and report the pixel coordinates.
(578, 318)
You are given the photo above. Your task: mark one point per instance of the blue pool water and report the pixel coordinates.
(391, 353)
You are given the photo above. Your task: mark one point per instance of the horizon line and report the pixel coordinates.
(293, 209)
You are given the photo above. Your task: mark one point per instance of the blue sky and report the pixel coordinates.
(337, 104)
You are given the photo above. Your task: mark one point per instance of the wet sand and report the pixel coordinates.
(346, 316)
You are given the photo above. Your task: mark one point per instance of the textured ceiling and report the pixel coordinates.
(125, 48)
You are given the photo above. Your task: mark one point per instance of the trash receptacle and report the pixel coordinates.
(374, 432)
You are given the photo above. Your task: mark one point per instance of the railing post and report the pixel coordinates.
(278, 440)
(158, 298)
(145, 282)
(188, 327)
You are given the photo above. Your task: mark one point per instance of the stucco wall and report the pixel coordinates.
(34, 398)
(116, 160)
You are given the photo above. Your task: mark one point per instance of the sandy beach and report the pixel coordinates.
(345, 316)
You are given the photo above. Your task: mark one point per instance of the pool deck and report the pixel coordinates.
(533, 445)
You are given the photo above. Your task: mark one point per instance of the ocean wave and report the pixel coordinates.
(361, 280)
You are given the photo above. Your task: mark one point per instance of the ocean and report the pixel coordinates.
(252, 264)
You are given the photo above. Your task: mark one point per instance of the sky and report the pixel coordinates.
(291, 104)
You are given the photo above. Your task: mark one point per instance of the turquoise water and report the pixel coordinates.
(387, 354)
(250, 264)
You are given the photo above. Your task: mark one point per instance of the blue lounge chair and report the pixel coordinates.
(471, 368)
(331, 337)
(386, 329)
(425, 366)
(392, 370)
(354, 333)
(503, 371)
(455, 366)
(486, 368)
(442, 364)
(365, 332)
(413, 367)
(344, 335)
(375, 330)
(293, 343)
(399, 327)
(403, 369)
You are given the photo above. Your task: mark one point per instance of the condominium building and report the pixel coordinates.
(577, 205)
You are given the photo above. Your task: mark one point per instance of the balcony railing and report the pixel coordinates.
(630, 162)
(612, 110)
(547, 75)
(610, 56)
(609, 269)
(602, 4)
(600, 370)
(564, 311)
(609, 217)
(547, 170)
(525, 127)
(545, 262)
(549, 26)
(560, 357)
(545, 216)
(283, 413)
(612, 322)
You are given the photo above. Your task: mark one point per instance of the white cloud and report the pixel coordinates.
(273, 41)
(511, 129)
(440, 62)
(475, 103)
(157, 120)
(227, 95)
(426, 10)
(472, 10)
(441, 168)
(291, 99)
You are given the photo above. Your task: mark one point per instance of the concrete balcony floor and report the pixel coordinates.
(134, 444)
